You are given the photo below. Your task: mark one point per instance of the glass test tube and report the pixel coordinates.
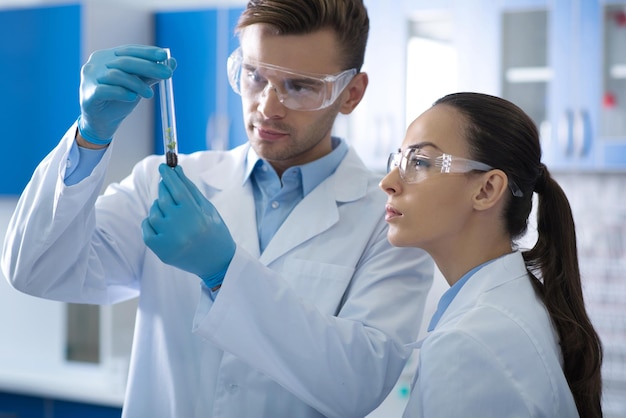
(168, 120)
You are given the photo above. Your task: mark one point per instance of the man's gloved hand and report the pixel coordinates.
(185, 230)
(112, 83)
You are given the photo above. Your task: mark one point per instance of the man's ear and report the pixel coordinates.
(492, 187)
(353, 94)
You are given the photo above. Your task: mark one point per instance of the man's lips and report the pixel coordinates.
(269, 134)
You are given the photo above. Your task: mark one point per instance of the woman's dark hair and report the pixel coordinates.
(501, 135)
(348, 18)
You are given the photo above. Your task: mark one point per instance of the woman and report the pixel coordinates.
(511, 336)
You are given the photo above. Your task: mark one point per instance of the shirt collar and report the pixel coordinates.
(312, 173)
(252, 161)
(316, 171)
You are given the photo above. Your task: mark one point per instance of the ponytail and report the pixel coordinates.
(502, 135)
(554, 258)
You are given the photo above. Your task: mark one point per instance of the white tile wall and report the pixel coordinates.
(599, 206)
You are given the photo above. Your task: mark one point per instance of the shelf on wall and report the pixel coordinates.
(528, 74)
(618, 71)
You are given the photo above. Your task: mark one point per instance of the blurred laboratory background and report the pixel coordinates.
(563, 61)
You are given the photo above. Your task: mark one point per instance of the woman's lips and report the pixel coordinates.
(391, 212)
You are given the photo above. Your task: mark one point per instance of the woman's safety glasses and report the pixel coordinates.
(295, 90)
(415, 165)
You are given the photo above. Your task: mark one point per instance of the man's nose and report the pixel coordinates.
(270, 103)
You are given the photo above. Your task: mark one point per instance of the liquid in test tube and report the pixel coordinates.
(168, 119)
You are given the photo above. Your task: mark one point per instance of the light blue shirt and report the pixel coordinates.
(274, 198)
(80, 163)
(449, 295)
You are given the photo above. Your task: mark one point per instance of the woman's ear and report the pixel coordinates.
(355, 91)
(492, 186)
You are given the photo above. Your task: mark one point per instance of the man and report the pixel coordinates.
(266, 284)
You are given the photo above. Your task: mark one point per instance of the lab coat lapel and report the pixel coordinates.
(223, 183)
(319, 211)
(312, 216)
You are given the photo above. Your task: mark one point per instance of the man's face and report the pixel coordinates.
(283, 136)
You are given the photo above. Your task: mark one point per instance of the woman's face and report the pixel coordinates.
(432, 212)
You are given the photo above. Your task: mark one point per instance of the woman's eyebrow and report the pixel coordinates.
(424, 144)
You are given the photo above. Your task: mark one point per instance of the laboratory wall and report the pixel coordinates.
(33, 345)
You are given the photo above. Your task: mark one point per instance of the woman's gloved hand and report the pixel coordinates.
(185, 230)
(112, 82)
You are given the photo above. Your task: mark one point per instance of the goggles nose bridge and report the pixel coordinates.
(265, 92)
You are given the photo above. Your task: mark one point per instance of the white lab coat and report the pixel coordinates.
(315, 326)
(494, 353)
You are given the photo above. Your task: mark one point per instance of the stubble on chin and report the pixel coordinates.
(267, 149)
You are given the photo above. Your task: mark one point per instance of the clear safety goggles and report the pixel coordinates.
(295, 90)
(415, 165)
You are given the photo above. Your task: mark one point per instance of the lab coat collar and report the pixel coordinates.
(316, 213)
(348, 183)
(499, 272)
(223, 181)
(227, 173)
(492, 275)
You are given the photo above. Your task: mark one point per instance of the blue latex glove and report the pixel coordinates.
(185, 230)
(112, 82)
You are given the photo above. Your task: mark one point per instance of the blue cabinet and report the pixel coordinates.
(39, 78)
(612, 116)
(575, 44)
(23, 406)
(208, 112)
(561, 63)
(19, 406)
(67, 409)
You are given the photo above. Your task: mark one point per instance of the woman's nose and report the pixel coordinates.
(390, 184)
